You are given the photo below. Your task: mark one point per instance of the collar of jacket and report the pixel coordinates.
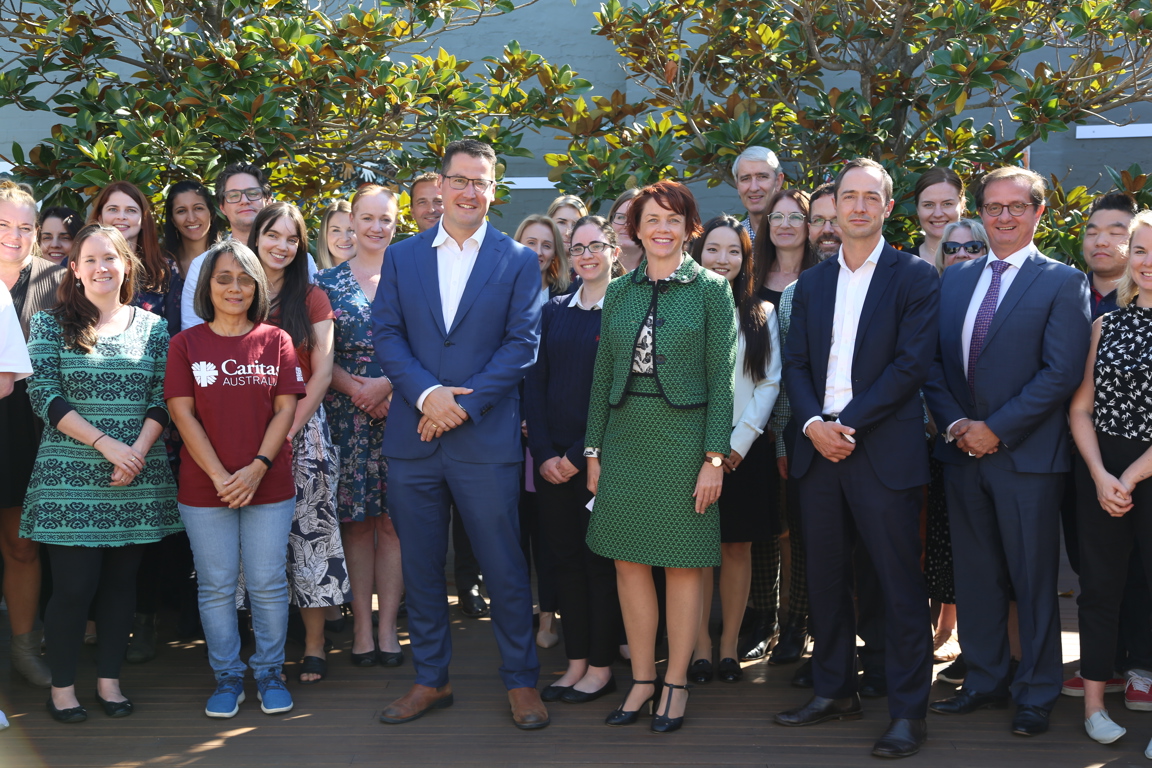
(685, 273)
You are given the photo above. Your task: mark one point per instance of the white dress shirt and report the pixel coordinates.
(13, 351)
(453, 268)
(752, 401)
(188, 316)
(851, 291)
(578, 300)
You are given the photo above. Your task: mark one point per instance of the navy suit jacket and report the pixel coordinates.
(1032, 361)
(894, 347)
(491, 345)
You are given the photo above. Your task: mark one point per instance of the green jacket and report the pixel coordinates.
(694, 347)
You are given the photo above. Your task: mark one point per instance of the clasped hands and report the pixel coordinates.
(1114, 493)
(374, 396)
(558, 470)
(974, 438)
(239, 488)
(127, 460)
(441, 412)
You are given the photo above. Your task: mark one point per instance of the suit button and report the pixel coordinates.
(447, 343)
(658, 359)
(663, 287)
(658, 322)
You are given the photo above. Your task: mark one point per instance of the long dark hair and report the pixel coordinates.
(766, 249)
(291, 306)
(172, 238)
(753, 316)
(154, 273)
(75, 313)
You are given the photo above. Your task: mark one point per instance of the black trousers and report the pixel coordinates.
(107, 574)
(585, 581)
(464, 563)
(1105, 546)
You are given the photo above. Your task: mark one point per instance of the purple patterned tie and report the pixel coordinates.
(984, 319)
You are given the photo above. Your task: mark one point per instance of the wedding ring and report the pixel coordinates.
(971, 454)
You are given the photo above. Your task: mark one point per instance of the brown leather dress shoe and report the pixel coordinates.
(419, 700)
(528, 711)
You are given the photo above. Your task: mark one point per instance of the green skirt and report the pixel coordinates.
(644, 510)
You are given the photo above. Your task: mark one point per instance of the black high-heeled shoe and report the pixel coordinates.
(621, 716)
(663, 723)
(69, 715)
(115, 708)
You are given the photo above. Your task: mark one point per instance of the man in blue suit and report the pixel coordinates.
(456, 326)
(1014, 332)
(859, 348)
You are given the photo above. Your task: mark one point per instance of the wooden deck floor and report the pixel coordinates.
(334, 723)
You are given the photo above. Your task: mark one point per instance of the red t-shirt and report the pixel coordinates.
(319, 309)
(234, 381)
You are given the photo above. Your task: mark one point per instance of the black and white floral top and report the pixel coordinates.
(1123, 375)
(642, 356)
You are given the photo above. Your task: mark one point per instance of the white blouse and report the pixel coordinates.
(13, 351)
(752, 402)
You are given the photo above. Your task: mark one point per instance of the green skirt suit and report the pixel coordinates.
(661, 398)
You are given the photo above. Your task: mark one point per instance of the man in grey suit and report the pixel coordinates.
(1014, 331)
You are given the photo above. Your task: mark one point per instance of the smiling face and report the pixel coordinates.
(792, 231)
(756, 183)
(341, 237)
(17, 232)
(123, 213)
(241, 213)
(234, 298)
(465, 209)
(1140, 261)
(55, 240)
(860, 205)
(374, 219)
(823, 231)
(662, 232)
(427, 205)
(277, 246)
(620, 225)
(191, 216)
(593, 268)
(99, 268)
(539, 238)
(1106, 243)
(1007, 233)
(937, 207)
(566, 217)
(961, 235)
(722, 253)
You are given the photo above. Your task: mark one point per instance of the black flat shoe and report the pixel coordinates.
(700, 671)
(902, 739)
(554, 692)
(70, 715)
(115, 708)
(621, 716)
(367, 659)
(802, 678)
(1030, 721)
(729, 671)
(819, 709)
(790, 647)
(390, 658)
(573, 696)
(967, 701)
(663, 723)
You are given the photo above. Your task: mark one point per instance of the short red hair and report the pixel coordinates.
(671, 196)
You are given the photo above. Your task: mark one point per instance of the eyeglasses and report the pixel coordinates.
(252, 193)
(793, 219)
(595, 246)
(620, 219)
(244, 281)
(462, 182)
(972, 247)
(820, 221)
(1016, 209)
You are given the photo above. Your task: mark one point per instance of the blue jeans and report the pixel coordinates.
(220, 537)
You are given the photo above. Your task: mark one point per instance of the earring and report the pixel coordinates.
(78, 283)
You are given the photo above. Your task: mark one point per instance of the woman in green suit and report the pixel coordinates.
(659, 423)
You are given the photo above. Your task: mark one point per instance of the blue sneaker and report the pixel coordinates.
(273, 694)
(227, 699)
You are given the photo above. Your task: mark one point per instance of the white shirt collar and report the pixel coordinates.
(873, 257)
(477, 237)
(1016, 259)
(578, 295)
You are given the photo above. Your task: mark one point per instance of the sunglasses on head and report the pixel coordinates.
(972, 247)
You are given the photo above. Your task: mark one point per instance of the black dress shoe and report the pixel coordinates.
(115, 708)
(873, 687)
(700, 671)
(755, 646)
(472, 603)
(729, 670)
(902, 739)
(802, 678)
(573, 696)
(1030, 721)
(965, 702)
(69, 715)
(390, 658)
(819, 709)
(790, 647)
(553, 692)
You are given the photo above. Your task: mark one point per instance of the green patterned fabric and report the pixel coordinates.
(653, 431)
(70, 501)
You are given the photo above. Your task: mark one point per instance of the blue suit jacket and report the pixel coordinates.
(894, 347)
(1032, 362)
(490, 346)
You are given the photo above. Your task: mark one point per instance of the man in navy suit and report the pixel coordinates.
(859, 349)
(1014, 332)
(456, 326)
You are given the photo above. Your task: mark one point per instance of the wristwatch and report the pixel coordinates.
(715, 461)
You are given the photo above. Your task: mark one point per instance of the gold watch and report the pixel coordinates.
(715, 461)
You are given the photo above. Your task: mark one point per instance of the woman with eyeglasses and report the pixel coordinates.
(357, 406)
(233, 384)
(782, 247)
(630, 251)
(939, 196)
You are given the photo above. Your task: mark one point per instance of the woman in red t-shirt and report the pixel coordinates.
(317, 573)
(232, 387)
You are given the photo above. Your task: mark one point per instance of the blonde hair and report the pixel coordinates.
(974, 226)
(323, 257)
(11, 192)
(1126, 290)
(571, 201)
(371, 189)
(559, 274)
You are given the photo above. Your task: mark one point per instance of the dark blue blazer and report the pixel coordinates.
(490, 346)
(1032, 361)
(894, 347)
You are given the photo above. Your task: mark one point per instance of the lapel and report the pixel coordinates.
(486, 260)
(428, 269)
(1029, 271)
(825, 304)
(885, 270)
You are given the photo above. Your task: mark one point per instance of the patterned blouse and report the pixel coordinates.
(1123, 375)
(646, 339)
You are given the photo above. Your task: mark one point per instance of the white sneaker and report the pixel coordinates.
(1101, 728)
(1148, 751)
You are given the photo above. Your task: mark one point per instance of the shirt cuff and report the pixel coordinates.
(948, 437)
(804, 429)
(592, 453)
(423, 395)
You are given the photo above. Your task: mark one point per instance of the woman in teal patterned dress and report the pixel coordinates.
(101, 487)
(659, 424)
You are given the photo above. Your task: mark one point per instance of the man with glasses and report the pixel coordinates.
(756, 172)
(456, 325)
(1014, 331)
(823, 231)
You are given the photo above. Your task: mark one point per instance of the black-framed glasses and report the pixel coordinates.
(620, 219)
(462, 182)
(595, 246)
(972, 247)
(820, 221)
(1016, 209)
(252, 193)
(244, 281)
(793, 219)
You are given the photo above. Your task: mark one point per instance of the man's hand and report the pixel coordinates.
(550, 471)
(975, 438)
(829, 438)
(441, 409)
